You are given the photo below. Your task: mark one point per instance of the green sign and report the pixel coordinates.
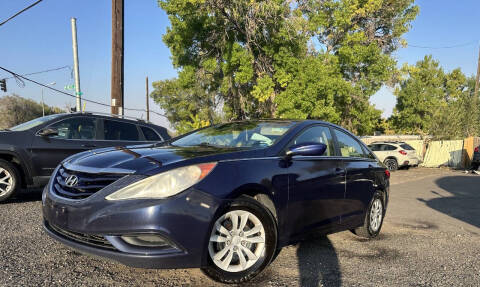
(69, 87)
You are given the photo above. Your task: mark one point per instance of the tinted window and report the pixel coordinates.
(317, 134)
(389, 147)
(119, 131)
(75, 128)
(150, 135)
(349, 147)
(375, 147)
(406, 147)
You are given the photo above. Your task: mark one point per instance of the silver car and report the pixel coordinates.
(395, 154)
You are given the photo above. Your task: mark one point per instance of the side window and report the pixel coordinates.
(119, 131)
(78, 128)
(150, 135)
(317, 134)
(375, 147)
(349, 147)
(389, 147)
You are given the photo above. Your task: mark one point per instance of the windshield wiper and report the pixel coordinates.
(205, 144)
(8, 130)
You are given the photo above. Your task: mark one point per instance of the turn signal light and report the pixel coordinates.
(403, 152)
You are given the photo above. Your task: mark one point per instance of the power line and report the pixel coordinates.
(443, 47)
(20, 77)
(44, 71)
(20, 12)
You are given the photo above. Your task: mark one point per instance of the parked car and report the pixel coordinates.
(30, 151)
(476, 158)
(395, 154)
(225, 198)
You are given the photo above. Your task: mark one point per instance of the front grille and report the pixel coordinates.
(86, 183)
(88, 239)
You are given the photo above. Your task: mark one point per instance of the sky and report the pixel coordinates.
(40, 39)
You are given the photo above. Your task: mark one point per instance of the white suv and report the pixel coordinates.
(395, 154)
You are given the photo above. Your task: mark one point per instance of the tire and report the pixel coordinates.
(475, 166)
(370, 229)
(9, 180)
(229, 266)
(391, 164)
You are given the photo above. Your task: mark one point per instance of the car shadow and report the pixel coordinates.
(318, 262)
(25, 196)
(464, 203)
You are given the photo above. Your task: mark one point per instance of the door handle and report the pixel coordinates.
(88, 145)
(339, 171)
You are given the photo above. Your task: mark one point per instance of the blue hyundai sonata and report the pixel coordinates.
(225, 198)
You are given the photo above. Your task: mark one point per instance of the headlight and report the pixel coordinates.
(164, 184)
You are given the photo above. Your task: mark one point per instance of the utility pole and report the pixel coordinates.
(148, 106)
(76, 71)
(475, 100)
(117, 57)
(475, 96)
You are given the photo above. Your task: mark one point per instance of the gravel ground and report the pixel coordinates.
(431, 237)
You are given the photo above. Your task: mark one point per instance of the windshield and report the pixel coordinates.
(237, 135)
(33, 123)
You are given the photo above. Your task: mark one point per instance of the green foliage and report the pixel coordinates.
(320, 59)
(431, 101)
(15, 110)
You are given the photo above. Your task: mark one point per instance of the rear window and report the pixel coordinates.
(406, 147)
(150, 135)
(119, 131)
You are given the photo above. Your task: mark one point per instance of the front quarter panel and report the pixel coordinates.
(269, 176)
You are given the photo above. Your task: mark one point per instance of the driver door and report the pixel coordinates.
(317, 188)
(75, 135)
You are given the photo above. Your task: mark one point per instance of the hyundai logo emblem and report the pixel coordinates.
(72, 180)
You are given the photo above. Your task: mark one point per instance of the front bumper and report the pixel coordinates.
(96, 226)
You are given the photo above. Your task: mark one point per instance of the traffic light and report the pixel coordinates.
(3, 85)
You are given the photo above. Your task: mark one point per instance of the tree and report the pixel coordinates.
(434, 102)
(15, 110)
(319, 59)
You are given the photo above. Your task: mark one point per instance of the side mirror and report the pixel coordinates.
(48, 132)
(306, 149)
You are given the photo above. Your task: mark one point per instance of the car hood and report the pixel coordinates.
(148, 159)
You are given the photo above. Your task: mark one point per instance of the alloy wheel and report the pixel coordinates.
(376, 214)
(237, 241)
(6, 181)
(391, 164)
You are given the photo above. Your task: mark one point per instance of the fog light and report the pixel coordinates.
(146, 240)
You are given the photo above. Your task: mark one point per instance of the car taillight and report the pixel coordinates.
(476, 149)
(403, 152)
(387, 173)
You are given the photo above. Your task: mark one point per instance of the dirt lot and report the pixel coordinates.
(431, 237)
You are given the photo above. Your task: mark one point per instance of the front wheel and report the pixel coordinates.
(242, 242)
(9, 180)
(373, 218)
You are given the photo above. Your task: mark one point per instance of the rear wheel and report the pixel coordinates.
(242, 242)
(373, 218)
(391, 164)
(9, 180)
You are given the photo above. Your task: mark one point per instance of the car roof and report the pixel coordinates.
(106, 116)
(388, 142)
